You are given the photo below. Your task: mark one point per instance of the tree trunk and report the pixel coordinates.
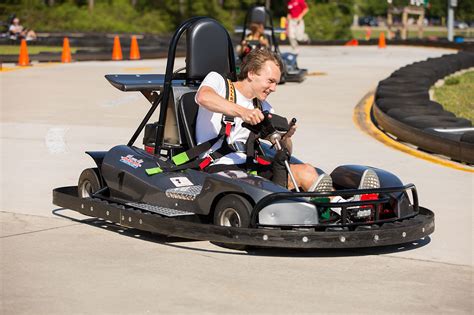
(50, 3)
(181, 8)
(91, 5)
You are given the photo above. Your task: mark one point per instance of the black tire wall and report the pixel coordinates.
(402, 107)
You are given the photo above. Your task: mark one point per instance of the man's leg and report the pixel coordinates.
(301, 36)
(292, 29)
(305, 175)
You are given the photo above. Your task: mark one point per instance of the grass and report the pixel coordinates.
(457, 95)
(32, 49)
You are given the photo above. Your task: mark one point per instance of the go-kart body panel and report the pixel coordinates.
(123, 169)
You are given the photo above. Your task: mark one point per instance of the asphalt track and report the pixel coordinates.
(50, 264)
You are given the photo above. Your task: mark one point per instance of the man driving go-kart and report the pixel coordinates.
(207, 177)
(259, 76)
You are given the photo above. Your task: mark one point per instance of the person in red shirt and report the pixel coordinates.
(297, 9)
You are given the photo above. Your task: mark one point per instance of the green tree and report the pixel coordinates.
(327, 20)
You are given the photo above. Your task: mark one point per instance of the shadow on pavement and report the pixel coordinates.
(253, 251)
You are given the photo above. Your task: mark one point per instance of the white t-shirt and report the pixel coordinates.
(208, 124)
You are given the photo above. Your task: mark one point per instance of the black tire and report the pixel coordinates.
(429, 121)
(405, 112)
(386, 104)
(422, 95)
(400, 81)
(89, 182)
(468, 137)
(233, 210)
(401, 89)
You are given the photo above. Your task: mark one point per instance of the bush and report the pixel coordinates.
(114, 16)
(329, 21)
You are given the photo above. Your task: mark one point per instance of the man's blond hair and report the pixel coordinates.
(255, 60)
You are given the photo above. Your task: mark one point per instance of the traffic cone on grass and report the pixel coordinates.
(117, 51)
(66, 55)
(382, 43)
(134, 51)
(23, 58)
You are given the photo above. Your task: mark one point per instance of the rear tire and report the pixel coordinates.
(89, 182)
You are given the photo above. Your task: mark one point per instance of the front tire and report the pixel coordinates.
(233, 211)
(89, 182)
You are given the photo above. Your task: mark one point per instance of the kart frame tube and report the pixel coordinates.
(169, 77)
(388, 234)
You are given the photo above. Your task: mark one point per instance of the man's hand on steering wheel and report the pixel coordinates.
(252, 116)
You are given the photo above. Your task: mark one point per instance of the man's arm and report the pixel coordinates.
(209, 99)
(303, 13)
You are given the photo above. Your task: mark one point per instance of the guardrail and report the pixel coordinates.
(403, 108)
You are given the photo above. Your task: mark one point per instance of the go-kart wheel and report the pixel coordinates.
(233, 211)
(89, 182)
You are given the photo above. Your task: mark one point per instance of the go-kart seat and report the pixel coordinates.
(258, 15)
(207, 49)
(200, 60)
(188, 111)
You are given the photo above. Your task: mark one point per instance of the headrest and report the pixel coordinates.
(207, 49)
(258, 15)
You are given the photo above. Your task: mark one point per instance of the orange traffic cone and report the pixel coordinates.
(117, 51)
(23, 58)
(134, 51)
(382, 43)
(66, 55)
(352, 42)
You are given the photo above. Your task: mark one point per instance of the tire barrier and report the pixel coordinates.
(403, 108)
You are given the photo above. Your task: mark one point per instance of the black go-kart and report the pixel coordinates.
(259, 14)
(144, 188)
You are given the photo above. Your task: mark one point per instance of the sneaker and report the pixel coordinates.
(322, 184)
(369, 180)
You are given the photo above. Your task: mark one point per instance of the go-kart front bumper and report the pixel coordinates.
(398, 232)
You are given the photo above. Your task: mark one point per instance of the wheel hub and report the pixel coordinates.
(230, 217)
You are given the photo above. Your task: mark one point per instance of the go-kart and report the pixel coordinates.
(145, 188)
(259, 14)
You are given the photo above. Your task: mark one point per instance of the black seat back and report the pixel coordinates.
(188, 111)
(258, 15)
(207, 49)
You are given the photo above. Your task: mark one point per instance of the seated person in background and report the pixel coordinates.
(17, 31)
(256, 39)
